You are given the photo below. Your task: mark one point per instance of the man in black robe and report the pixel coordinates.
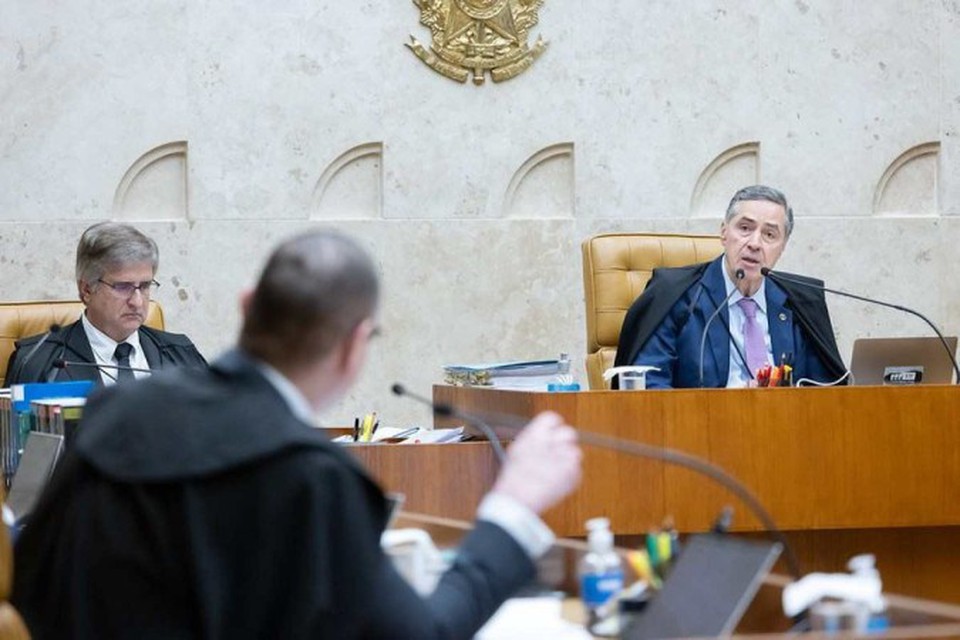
(116, 271)
(667, 326)
(200, 503)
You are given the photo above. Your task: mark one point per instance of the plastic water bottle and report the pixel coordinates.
(600, 570)
(563, 380)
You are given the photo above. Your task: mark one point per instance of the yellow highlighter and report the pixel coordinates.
(366, 428)
(640, 563)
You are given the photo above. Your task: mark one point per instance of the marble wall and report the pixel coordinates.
(220, 127)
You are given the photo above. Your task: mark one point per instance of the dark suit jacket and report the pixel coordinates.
(664, 328)
(196, 505)
(161, 349)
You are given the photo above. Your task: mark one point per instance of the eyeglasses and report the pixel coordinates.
(127, 289)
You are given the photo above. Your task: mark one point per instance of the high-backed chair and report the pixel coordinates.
(22, 319)
(11, 624)
(616, 268)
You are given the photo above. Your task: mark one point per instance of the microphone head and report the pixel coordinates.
(765, 270)
(398, 389)
(740, 274)
(60, 363)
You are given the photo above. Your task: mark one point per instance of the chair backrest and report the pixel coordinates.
(22, 319)
(616, 268)
(11, 624)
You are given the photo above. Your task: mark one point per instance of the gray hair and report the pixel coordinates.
(108, 245)
(314, 290)
(760, 192)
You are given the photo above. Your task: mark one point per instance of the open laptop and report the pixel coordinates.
(902, 361)
(40, 455)
(708, 589)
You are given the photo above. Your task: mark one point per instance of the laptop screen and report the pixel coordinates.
(708, 589)
(40, 455)
(902, 361)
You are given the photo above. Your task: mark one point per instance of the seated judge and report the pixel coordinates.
(116, 270)
(763, 322)
(201, 504)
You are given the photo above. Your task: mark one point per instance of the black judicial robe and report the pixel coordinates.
(162, 350)
(196, 505)
(665, 294)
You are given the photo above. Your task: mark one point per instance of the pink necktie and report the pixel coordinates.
(753, 336)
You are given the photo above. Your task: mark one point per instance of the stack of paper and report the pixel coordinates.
(528, 375)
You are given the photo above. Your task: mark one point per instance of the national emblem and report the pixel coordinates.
(476, 36)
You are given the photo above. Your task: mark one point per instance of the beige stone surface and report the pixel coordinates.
(474, 200)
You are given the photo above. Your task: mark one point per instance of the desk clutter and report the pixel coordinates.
(518, 375)
(44, 407)
(367, 430)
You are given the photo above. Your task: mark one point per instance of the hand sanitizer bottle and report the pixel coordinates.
(600, 570)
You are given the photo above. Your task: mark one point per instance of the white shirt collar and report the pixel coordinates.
(103, 345)
(760, 296)
(294, 398)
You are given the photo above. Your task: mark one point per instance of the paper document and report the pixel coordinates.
(435, 436)
(524, 618)
(516, 368)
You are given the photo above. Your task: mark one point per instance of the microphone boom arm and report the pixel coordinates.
(779, 276)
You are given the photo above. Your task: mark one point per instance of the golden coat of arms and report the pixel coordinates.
(471, 37)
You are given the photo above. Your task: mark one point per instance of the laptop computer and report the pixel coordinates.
(902, 361)
(708, 590)
(40, 455)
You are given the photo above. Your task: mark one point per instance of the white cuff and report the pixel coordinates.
(521, 523)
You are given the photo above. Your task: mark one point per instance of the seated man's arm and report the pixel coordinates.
(660, 351)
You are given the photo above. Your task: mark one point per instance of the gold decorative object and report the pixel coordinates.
(467, 378)
(476, 36)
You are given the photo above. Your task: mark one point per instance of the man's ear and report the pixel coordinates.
(246, 299)
(84, 290)
(353, 352)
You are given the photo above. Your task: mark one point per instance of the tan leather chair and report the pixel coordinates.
(11, 624)
(22, 319)
(616, 268)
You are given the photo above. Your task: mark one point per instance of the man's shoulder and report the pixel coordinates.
(166, 337)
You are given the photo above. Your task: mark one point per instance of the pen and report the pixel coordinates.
(356, 429)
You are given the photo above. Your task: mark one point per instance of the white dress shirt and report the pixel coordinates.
(739, 374)
(104, 346)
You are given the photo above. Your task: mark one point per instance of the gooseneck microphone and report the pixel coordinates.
(638, 449)
(784, 278)
(738, 275)
(448, 411)
(54, 328)
(66, 365)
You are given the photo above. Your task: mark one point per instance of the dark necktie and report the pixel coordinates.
(753, 336)
(122, 354)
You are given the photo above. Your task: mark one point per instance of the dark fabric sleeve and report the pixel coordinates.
(813, 317)
(665, 288)
(489, 567)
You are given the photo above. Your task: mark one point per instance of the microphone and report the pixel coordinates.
(738, 275)
(448, 411)
(60, 363)
(780, 277)
(640, 450)
(54, 328)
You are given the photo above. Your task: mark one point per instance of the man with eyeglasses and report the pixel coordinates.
(116, 268)
(203, 504)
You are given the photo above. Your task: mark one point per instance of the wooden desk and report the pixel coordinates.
(841, 470)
